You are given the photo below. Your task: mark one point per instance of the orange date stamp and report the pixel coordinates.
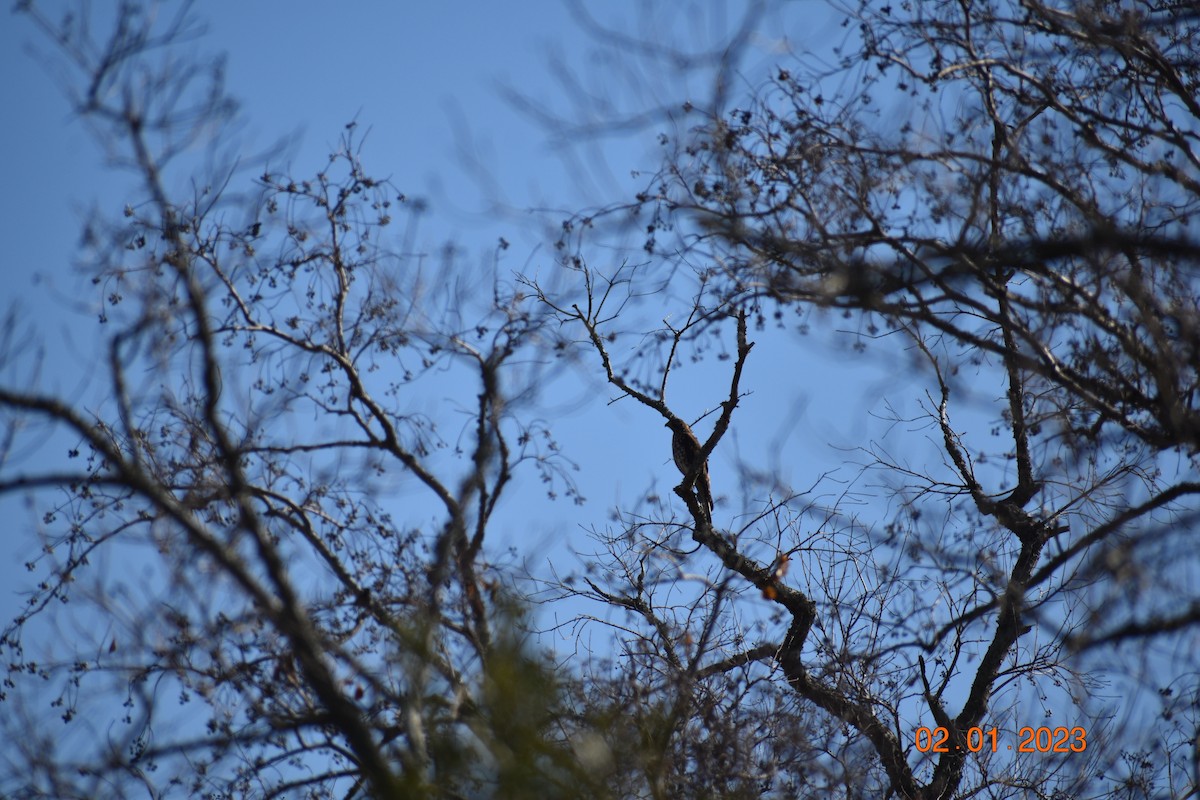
(1029, 740)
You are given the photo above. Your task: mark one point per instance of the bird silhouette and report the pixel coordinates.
(686, 450)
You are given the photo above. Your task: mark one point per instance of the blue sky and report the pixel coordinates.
(413, 74)
(426, 79)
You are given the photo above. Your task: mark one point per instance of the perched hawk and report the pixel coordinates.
(685, 448)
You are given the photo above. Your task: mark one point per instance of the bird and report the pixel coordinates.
(686, 450)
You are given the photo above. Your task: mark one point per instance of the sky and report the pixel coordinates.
(422, 79)
(428, 83)
(431, 84)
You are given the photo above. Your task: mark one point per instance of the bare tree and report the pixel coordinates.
(309, 610)
(1011, 188)
(1000, 199)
